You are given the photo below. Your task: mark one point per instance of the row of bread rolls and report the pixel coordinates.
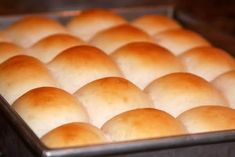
(142, 124)
(102, 78)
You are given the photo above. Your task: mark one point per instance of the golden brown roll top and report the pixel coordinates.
(73, 134)
(89, 22)
(46, 108)
(208, 118)
(207, 62)
(142, 124)
(28, 30)
(8, 50)
(49, 47)
(77, 66)
(226, 84)
(143, 62)
(115, 37)
(153, 24)
(20, 74)
(180, 40)
(178, 92)
(107, 97)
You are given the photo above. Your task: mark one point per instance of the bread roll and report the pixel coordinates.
(4, 37)
(225, 83)
(77, 66)
(89, 22)
(150, 60)
(207, 62)
(46, 108)
(20, 74)
(107, 97)
(49, 47)
(142, 124)
(208, 118)
(8, 50)
(31, 29)
(153, 24)
(115, 37)
(178, 92)
(73, 134)
(180, 40)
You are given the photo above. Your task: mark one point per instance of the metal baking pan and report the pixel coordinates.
(18, 140)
